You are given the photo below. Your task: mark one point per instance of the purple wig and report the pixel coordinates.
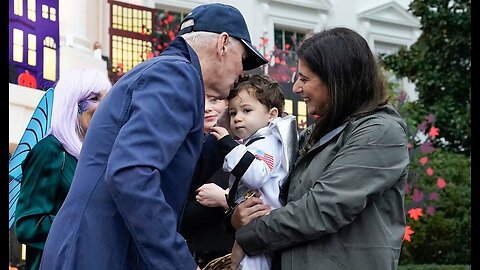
(71, 89)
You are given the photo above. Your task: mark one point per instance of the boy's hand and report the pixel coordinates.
(218, 132)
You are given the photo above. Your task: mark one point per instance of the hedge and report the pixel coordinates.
(445, 237)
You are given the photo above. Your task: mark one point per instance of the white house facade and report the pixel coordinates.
(386, 25)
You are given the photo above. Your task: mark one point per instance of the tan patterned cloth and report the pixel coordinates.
(220, 263)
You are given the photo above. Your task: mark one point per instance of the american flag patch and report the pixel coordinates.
(268, 159)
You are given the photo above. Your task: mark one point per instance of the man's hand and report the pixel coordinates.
(247, 211)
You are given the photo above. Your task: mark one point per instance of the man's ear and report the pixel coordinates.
(272, 114)
(222, 41)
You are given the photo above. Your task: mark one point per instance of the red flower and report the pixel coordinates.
(415, 213)
(408, 232)
(423, 160)
(433, 132)
(441, 183)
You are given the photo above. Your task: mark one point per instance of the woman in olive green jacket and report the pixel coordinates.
(345, 197)
(49, 167)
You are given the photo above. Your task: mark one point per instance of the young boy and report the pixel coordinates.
(262, 161)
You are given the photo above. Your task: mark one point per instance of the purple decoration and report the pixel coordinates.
(434, 196)
(88, 103)
(407, 188)
(417, 195)
(430, 210)
(402, 96)
(422, 127)
(46, 32)
(430, 118)
(427, 147)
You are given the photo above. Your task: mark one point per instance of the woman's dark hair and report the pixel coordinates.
(342, 59)
(265, 89)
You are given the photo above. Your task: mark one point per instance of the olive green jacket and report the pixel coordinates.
(345, 206)
(47, 175)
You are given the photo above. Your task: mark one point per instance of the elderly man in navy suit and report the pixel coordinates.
(134, 171)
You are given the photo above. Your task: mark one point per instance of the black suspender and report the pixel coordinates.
(239, 171)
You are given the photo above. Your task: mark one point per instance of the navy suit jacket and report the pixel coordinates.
(134, 171)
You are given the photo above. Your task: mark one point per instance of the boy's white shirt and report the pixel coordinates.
(260, 176)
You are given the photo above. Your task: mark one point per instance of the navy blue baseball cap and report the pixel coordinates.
(218, 18)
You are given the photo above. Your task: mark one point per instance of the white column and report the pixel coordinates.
(78, 21)
(73, 23)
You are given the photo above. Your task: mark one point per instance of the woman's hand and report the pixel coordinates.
(247, 211)
(212, 195)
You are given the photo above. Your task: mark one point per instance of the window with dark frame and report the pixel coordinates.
(166, 25)
(131, 34)
(284, 69)
(138, 33)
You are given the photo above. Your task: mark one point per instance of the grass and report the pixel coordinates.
(433, 267)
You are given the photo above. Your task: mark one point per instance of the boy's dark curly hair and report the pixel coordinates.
(266, 90)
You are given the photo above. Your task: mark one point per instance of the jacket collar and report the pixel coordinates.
(262, 132)
(181, 48)
(330, 135)
(325, 139)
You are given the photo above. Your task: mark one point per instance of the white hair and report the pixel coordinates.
(199, 39)
(69, 91)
